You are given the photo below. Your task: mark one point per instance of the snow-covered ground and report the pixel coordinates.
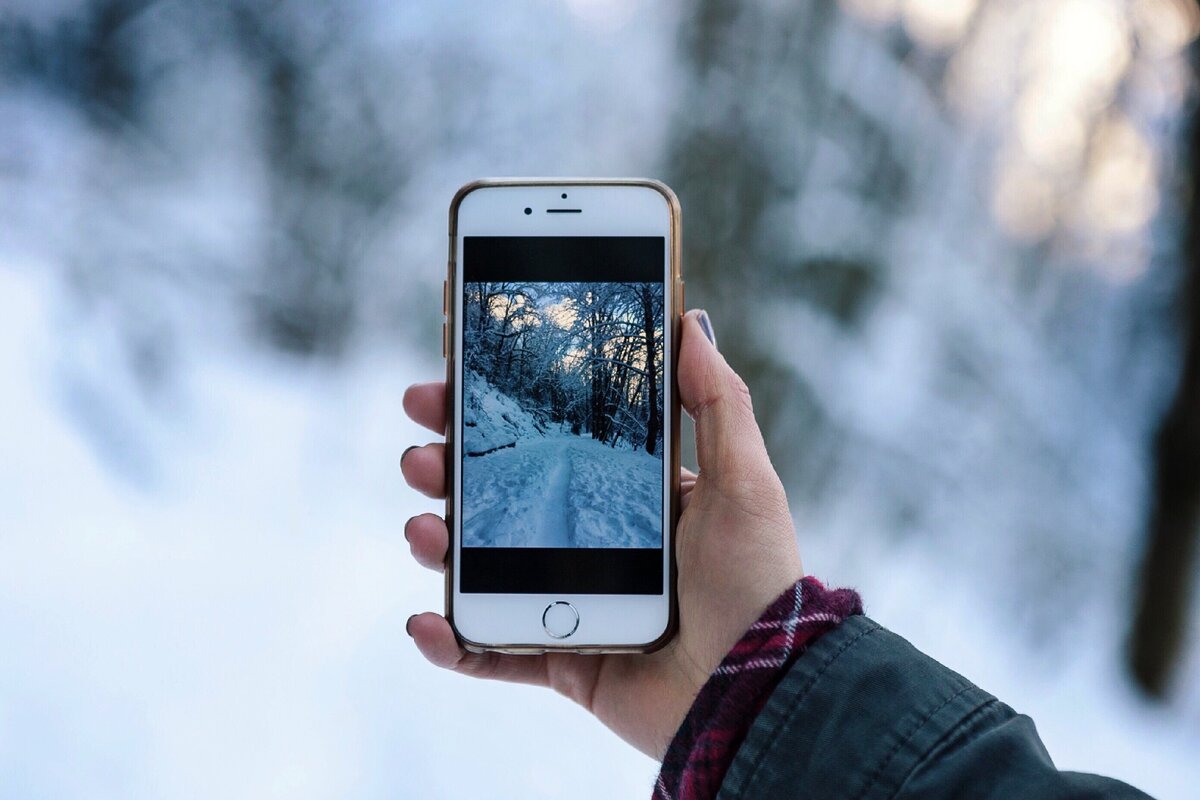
(562, 491)
(530, 484)
(237, 629)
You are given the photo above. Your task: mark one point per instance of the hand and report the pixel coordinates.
(735, 549)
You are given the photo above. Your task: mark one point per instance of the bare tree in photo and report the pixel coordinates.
(586, 356)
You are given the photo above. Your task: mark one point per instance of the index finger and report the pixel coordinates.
(425, 404)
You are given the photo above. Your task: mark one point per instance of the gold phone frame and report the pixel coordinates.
(451, 303)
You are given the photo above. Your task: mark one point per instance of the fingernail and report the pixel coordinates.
(408, 624)
(406, 524)
(407, 450)
(706, 326)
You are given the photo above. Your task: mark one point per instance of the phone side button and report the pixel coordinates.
(445, 297)
(444, 354)
(560, 619)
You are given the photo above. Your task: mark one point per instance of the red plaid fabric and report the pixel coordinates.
(720, 717)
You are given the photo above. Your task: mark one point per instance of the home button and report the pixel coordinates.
(560, 619)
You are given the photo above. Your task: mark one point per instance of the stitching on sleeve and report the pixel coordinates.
(800, 697)
(951, 736)
(882, 765)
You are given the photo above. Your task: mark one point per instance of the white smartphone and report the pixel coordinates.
(563, 304)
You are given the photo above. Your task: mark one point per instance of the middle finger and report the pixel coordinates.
(424, 469)
(429, 539)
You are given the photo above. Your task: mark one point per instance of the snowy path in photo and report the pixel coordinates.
(553, 527)
(562, 491)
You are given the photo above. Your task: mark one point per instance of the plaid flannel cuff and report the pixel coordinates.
(716, 725)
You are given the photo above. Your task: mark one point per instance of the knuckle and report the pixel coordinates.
(754, 489)
(738, 389)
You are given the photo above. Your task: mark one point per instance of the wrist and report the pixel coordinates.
(723, 710)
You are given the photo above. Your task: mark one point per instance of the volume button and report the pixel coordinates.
(445, 298)
(444, 353)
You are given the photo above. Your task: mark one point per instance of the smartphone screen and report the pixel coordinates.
(562, 425)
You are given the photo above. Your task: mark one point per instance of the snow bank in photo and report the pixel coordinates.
(492, 420)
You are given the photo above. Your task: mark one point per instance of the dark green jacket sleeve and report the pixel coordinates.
(864, 714)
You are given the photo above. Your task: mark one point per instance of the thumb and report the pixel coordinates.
(729, 445)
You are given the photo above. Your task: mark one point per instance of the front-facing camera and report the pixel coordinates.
(529, 211)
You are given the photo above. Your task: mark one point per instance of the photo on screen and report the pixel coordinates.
(562, 426)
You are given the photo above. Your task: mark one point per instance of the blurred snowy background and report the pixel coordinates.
(950, 243)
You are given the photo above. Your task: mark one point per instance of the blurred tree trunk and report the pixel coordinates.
(333, 167)
(748, 155)
(1168, 571)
